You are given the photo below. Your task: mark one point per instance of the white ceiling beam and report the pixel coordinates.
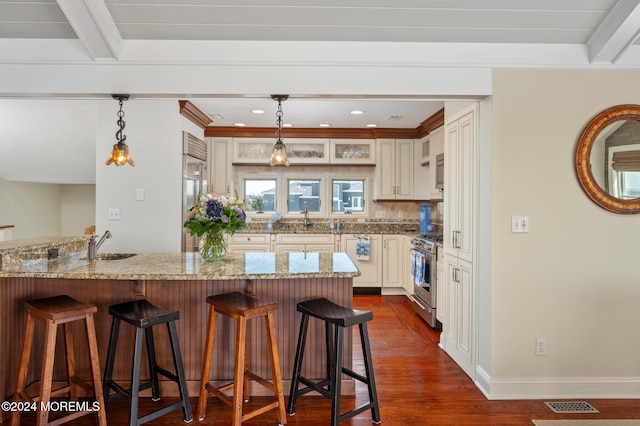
(617, 32)
(94, 26)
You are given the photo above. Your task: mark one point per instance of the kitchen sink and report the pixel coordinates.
(115, 256)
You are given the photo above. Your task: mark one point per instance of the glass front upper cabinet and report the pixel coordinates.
(300, 151)
(353, 151)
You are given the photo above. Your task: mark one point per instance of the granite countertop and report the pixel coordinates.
(189, 266)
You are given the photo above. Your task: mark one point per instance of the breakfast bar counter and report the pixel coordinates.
(182, 282)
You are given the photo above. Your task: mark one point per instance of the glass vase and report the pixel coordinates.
(213, 246)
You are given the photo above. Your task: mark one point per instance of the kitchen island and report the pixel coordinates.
(182, 282)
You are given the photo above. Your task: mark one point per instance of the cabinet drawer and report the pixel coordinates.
(250, 238)
(304, 239)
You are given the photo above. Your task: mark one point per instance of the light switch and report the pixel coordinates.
(114, 214)
(139, 194)
(519, 224)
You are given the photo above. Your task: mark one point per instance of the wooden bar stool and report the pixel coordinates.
(53, 311)
(336, 317)
(241, 307)
(143, 316)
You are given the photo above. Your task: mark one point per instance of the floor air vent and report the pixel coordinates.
(571, 407)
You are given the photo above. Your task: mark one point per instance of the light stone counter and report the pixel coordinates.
(188, 266)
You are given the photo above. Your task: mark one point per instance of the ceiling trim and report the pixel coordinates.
(430, 124)
(617, 32)
(193, 113)
(94, 26)
(337, 133)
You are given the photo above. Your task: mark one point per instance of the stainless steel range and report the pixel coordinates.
(424, 255)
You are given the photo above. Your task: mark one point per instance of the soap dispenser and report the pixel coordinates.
(331, 224)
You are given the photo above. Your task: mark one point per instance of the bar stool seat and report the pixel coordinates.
(241, 307)
(143, 316)
(336, 318)
(53, 311)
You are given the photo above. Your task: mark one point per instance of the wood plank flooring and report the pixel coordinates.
(418, 384)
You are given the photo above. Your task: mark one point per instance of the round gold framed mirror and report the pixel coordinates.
(607, 159)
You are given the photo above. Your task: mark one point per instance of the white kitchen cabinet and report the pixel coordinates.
(436, 146)
(320, 243)
(241, 243)
(458, 325)
(353, 151)
(394, 169)
(421, 178)
(371, 269)
(407, 278)
(392, 261)
(299, 150)
(459, 177)
(460, 142)
(220, 165)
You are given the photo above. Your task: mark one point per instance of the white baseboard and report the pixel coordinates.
(557, 387)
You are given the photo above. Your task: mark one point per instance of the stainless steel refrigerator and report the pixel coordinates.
(194, 181)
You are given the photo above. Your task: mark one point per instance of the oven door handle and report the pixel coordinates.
(415, 300)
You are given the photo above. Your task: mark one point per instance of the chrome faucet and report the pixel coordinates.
(305, 222)
(93, 246)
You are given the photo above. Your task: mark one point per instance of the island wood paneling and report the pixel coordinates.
(188, 297)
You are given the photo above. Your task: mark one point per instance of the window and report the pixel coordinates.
(260, 195)
(347, 195)
(300, 192)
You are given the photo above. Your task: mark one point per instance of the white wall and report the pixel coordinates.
(574, 278)
(154, 136)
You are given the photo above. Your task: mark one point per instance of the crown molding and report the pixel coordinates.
(192, 113)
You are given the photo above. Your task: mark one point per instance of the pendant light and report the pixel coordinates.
(279, 153)
(120, 154)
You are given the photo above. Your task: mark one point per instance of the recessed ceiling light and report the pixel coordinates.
(257, 111)
(357, 112)
(372, 125)
(394, 117)
(287, 125)
(239, 124)
(324, 125)
(216, 116)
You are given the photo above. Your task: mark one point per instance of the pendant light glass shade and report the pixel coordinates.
(279, 154)
(120, 153)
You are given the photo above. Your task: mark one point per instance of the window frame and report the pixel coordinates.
(243, 177)
(366, 195)
(305, 177)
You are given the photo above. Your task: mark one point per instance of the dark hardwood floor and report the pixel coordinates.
(418, 384)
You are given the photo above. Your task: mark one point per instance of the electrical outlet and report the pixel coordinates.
(380, 214)
(114, 214)
(400, 214)
(541, 346)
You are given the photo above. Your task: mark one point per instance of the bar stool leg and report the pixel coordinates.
(24, 364)
(153, 365)
(179, 369)
(95, 369)
(276, 374)
(47, 372)
(239, 376)
(206, 363)
(297, 365)
(111, 356)
(336, 376)
(71, 361)
(368, 365)
(135, 378)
